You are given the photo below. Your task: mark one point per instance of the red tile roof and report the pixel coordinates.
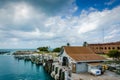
(82, 53)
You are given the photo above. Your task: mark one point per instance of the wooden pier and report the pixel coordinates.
(51, 65)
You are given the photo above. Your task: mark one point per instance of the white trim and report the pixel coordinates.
(92, 61)
(72, 60)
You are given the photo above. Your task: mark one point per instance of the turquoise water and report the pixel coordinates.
(11, 51)
(12, 69)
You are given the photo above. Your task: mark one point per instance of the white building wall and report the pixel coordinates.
(70, 60)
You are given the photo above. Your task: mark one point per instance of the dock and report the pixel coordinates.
(50, 64)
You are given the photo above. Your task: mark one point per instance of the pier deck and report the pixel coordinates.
(108, 75)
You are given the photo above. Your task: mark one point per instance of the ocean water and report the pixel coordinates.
(11, 51)
(13, 69)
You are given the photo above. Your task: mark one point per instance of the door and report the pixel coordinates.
(81, 67)
(73, 67)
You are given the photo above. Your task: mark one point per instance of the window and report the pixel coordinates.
(101, 47)
(105, 48)
(109, 48)
(118, 48)
(96, 47)
(113, 47)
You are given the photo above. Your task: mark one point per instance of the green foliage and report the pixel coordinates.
(85, 44)
(56, 70)
(57, 49)
(68, 44)
(63, 76)
(43, 49)
(115, 54)
(118, 71)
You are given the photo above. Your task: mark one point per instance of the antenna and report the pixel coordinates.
(103, 34)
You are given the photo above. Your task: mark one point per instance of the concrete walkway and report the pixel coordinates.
(108, 75)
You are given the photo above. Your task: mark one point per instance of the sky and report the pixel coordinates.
(54, 23)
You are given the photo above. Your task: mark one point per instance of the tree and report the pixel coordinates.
(43, 49)
(85, 44)
(57, 49)
(115, 54)
(68, 44)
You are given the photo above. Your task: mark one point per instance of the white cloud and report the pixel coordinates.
(55, 30)
(110, 2)
(21, 12)
(109, 37)
(36, 34)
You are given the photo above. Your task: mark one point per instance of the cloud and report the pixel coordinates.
(24, 25)
(49, 7)
(110, 2)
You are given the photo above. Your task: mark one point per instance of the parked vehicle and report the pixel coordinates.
(95, 72)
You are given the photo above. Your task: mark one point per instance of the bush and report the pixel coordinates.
(111, 68)
(118, 71)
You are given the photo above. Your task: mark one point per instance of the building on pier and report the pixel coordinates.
(79, 59)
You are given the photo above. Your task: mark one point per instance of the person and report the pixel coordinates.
(101, 68)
